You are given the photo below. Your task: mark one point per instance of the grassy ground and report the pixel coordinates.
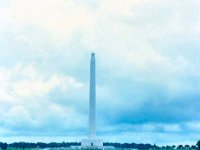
(12, 148)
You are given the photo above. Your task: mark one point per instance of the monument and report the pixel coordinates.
(92, 142)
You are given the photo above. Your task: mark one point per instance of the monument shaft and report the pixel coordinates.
(92, 142)
(92, 98)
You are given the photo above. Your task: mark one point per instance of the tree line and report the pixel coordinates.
(152, 147)
(24, 145)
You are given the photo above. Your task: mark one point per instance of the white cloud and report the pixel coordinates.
(69, 117)
(25, 100)
(61, 19)
(18, 117)
(146, 127)
(171, 128)
(27, 82)
(106, 33)
(193, 125)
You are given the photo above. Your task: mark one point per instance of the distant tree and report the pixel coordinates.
(53, 145)
(3, 145)
(163, 147)
(148, 146)
(193, 147)
(117, 145)
(187, 146)
(141, 146)
(198, 145)
(144, 146)
(173, 146)
(155, 147)
(41, 145)
(180, 147)
(133, 145)
(168, 147)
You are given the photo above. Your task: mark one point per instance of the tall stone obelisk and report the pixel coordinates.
(92, 98)
(92, 142)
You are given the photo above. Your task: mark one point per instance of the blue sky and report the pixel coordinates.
(148, 76)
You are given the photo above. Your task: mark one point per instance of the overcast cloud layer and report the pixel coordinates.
(148, 76)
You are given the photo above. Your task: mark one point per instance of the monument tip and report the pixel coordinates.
(93, 53)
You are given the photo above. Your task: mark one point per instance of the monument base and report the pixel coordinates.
(92, 144)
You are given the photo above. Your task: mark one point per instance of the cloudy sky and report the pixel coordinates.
(148, 76)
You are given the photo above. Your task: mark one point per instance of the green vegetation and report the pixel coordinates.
(14, 148)
(108, 146)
